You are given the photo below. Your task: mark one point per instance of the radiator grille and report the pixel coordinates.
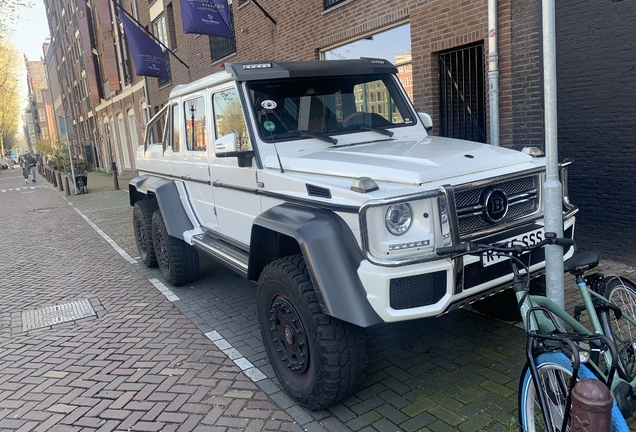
(523, 200)
(415, 291)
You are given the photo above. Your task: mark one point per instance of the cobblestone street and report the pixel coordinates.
(154, 357)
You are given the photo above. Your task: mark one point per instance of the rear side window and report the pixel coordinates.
(228, 118)
(176, 132)
(194, 112)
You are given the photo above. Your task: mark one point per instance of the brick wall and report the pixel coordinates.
(527, 87)
(596, 65)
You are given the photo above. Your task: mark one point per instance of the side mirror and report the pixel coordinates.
(225, 144)
(226, 147)
(426, 120)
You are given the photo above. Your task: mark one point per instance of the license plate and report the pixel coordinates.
(529, 238)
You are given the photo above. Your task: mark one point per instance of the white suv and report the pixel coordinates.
(318, 180)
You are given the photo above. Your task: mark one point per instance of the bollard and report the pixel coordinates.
(591, 406)
(68, 189)
(54, 178)
(115, 181)
(59, 179)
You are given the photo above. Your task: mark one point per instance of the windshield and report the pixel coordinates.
(287, 109)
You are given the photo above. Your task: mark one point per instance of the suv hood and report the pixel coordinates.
(407, 162)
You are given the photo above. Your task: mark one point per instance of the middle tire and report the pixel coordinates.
(177, 260)
(318, 359)
(142, 225)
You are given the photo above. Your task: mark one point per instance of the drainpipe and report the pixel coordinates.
(493, 72)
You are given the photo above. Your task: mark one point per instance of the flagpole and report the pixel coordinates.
(264, 11)
(150, 34)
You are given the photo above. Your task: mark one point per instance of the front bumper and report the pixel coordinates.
(435, 287)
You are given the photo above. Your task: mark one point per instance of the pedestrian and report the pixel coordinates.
(25, 168)
(32, 166)
(11, 163)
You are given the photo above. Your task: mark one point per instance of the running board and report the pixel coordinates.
(232, 256)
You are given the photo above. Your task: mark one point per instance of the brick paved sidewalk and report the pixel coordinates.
(136, 364)
(458, 372)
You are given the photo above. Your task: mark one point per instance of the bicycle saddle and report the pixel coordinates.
(582, 261)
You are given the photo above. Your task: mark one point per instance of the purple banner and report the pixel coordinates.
(147, 54)
(211, 17)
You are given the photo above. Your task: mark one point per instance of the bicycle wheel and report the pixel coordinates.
(555, 371)
(622, 293)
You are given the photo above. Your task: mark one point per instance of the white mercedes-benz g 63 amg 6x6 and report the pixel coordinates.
(318, 180)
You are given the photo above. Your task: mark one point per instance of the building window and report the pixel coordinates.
(132, 127)
(42, 116)
(172, 34)
(160, 31)
(38, 95)
(461, 93)
(393, 45)
(45, 133)
(221, 47)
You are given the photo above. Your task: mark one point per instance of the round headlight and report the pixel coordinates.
(398, 218)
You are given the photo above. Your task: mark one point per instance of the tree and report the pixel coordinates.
(10, 73)
(10, 11)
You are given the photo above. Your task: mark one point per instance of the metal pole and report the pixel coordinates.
(493, 73)
(553, 197)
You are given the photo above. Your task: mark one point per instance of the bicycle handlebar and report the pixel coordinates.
(472, 248)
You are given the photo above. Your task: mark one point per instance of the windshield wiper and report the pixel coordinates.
(325, 138)
(373, 129)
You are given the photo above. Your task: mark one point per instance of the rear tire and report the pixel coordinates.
(177, 260)
(319, 360)
(142, 226)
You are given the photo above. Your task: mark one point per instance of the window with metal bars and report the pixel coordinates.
(461, 93)
(221, 47)
(331, 3)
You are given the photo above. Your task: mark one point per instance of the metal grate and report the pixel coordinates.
(415, 291)
(461, 93)
(39, 318)
(318, 191)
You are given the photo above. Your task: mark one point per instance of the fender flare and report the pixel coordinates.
(331, 254)
(174, 215)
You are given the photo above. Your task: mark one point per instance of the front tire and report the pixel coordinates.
(142, 225)
(622, 293)
(555, 371)
(319, 360)
(177, 260)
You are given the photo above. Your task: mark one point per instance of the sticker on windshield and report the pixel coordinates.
(269, 126)
(268, 104)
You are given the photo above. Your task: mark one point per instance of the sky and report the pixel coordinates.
(31, 30)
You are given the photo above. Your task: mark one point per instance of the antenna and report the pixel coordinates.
(278, 157)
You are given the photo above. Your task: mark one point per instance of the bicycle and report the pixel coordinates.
(556, 359)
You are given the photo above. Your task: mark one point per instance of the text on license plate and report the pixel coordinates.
(530, 238)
